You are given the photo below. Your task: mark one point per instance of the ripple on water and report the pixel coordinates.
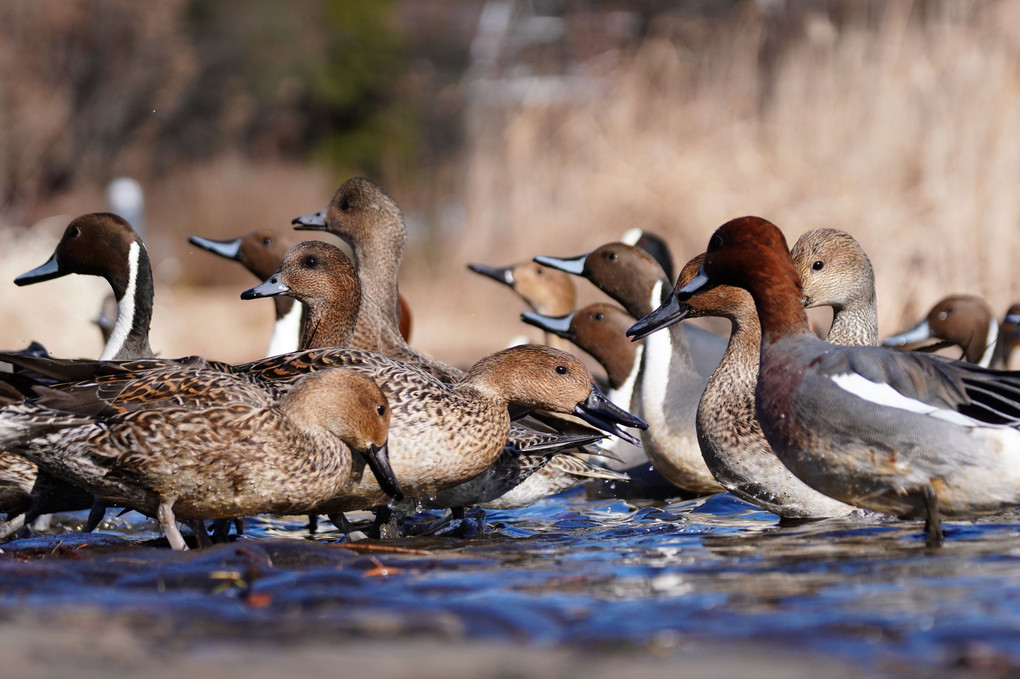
(564, 571)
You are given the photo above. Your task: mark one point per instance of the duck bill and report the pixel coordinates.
(600, 412)
(229, 249)
(378, 458)
(315, 222)
(574, 265)
(503, 275)
(557, 325)
(919, 333)
(272, 287)
(669, 312)
(44, 272)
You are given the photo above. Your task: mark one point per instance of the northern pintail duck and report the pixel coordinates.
(240, 451)
(731, 439)
(370, 222)
(103, 244)
(965, 321)
(260, 252)
(599, 329)
(903, 433)
(322, 277)
(835, 272)
(96, 244)
(669, 386)
(547, 291)
(654, 245)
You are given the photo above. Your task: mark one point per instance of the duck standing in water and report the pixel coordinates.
(234, 449)
(907, 434)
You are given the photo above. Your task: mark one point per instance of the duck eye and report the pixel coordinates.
(611, 256)
(345, 204)
(715, 242)
(267, 241)
(540, 270)
(562, 370)
(818, 265)
(74, 232)
(309, 262)
(599, 317)
(381, 410)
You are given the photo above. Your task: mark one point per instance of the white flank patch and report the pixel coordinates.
(125, 308)
(884, 395)
(991, 340)
(287, 332)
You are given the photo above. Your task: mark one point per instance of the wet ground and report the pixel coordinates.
(567, 587)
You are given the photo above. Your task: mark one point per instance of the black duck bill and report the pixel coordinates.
(504, 274)
(378, 458)
(44, 272)
(669, 312)
(557, 325)
(599, 411)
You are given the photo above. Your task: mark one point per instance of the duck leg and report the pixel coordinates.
(202, 538)
(933, 523)
(96, 516)
(12, 526)
(167, 521)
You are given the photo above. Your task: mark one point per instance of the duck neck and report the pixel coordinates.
(982, 348)
(130, 335)
(328, 324)
(777, 299)
(378, 263)
(854, 325)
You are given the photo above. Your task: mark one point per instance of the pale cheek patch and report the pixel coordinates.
(886, 396)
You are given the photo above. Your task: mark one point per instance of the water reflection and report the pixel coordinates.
(567, 571)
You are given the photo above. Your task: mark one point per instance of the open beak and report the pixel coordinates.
(557, 325)
(599, 411)
(503, 275)
(231, 249)
(272, 287)
(316, 222)
(378, 458)
(669, 312)
(574, 265)
(44, 272)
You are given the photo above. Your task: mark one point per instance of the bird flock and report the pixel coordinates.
(344, 415)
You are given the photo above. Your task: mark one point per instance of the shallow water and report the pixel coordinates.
(567, 571)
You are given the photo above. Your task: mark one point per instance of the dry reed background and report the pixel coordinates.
(906, 133)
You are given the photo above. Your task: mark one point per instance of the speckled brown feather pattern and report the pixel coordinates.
(242, 456)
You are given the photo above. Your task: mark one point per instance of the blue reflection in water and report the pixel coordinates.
(571, 571)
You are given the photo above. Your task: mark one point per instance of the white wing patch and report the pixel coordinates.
(884, 395)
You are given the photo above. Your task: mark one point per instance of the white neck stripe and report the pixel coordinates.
(125, 307)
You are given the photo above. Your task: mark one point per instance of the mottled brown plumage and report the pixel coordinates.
(226, 450)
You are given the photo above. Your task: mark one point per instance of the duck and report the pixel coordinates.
(546, 291)
(366, 218)
(732, 442)
(260, 251)
(836, 272)
(104, 244)
(324, 279)
(97, 244)
(912, 435)
(670, 384)
(653, 244)
(965, 321)
(1009, 334)
(599, 329)
(242, 451)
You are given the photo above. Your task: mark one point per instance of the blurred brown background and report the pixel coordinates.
(504, 129)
